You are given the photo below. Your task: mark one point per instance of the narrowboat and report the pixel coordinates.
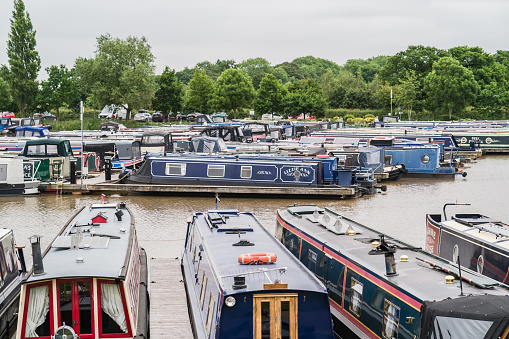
(187, 169)
(12, 271)
(91, 282)
(50, 158)
(380, 287)
(15, 177)
(242, 283)
(479, 242)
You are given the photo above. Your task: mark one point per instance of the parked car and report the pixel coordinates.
(46, 116)
(158, 117)
(7, 115)
(113, 112)
(143, 116)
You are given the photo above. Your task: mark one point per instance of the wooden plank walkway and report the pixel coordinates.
(169, 316)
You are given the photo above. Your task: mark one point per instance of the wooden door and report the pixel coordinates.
(275, 316)
(75, 306)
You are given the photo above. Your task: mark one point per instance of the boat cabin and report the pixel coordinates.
(156, 142)
(72, 290)
(31, 131)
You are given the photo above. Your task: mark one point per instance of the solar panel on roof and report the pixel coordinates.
(65, 242)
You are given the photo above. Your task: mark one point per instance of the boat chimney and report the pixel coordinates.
(35, 241)
(388, 251)
(21, 255)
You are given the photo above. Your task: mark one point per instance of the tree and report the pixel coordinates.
(233, 90)
(492, 100)
(450, 87)
(408, 92)
(185, 75)
(170, 95)
(122, 72)
(60, 89)
(24, 60)
(5, 96)
(270, 96)
(200, 93)
(383, 95)
(256, 68)
(305, 97)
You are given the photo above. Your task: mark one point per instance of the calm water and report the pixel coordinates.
(161, 221)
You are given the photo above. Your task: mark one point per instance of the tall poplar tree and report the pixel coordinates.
(201, 89)
(24, 60)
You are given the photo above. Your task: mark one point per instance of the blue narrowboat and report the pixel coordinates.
(421, 161)
(375, 294)
(481, 243)
(242, 283)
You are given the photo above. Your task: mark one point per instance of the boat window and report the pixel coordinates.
(265, 325)
(391, 320)
(51, 149)
(75, 306)
(175, 169)
(36, 150)
(312, 261)
(210, 313)
(38, 312)
(425, 159)
(203, 289)
(462, 328)
(246, 172)
(388, 159)
(356, 297)
(194, 255)
(216, 171)
(113, 319)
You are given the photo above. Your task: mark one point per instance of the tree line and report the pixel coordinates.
(421, 82)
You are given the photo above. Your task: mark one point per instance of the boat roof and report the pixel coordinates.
(417, 276)
(99, 240)
(488, 230)
(219, 245)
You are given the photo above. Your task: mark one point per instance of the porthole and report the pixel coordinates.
(480, 264)
(425, 159)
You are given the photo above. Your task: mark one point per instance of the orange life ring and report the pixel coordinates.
(257, 258)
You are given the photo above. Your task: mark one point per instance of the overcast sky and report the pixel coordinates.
(183, 33)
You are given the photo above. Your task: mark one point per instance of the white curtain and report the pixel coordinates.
(38, 308)
(111, 303)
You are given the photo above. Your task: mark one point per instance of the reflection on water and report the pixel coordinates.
(161, 221)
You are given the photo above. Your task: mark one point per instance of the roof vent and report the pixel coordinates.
(243, 242)
(239, 282)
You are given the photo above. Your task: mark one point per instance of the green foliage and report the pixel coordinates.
(24, 60)
(5, 96)
(60, 90)
(367, 69)
(305, 97)
(491, 101)
(408, 93)
(256, 68)
(347, 117)
(216, 69)
(185, 75)
(200, 92)
(233, 90)
(450, 86)
(170, 95)
(122, 72)
(270, 96)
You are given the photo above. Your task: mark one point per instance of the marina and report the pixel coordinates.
(164, 208)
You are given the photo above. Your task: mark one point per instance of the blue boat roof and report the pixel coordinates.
(99, 240)
(217, 229)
